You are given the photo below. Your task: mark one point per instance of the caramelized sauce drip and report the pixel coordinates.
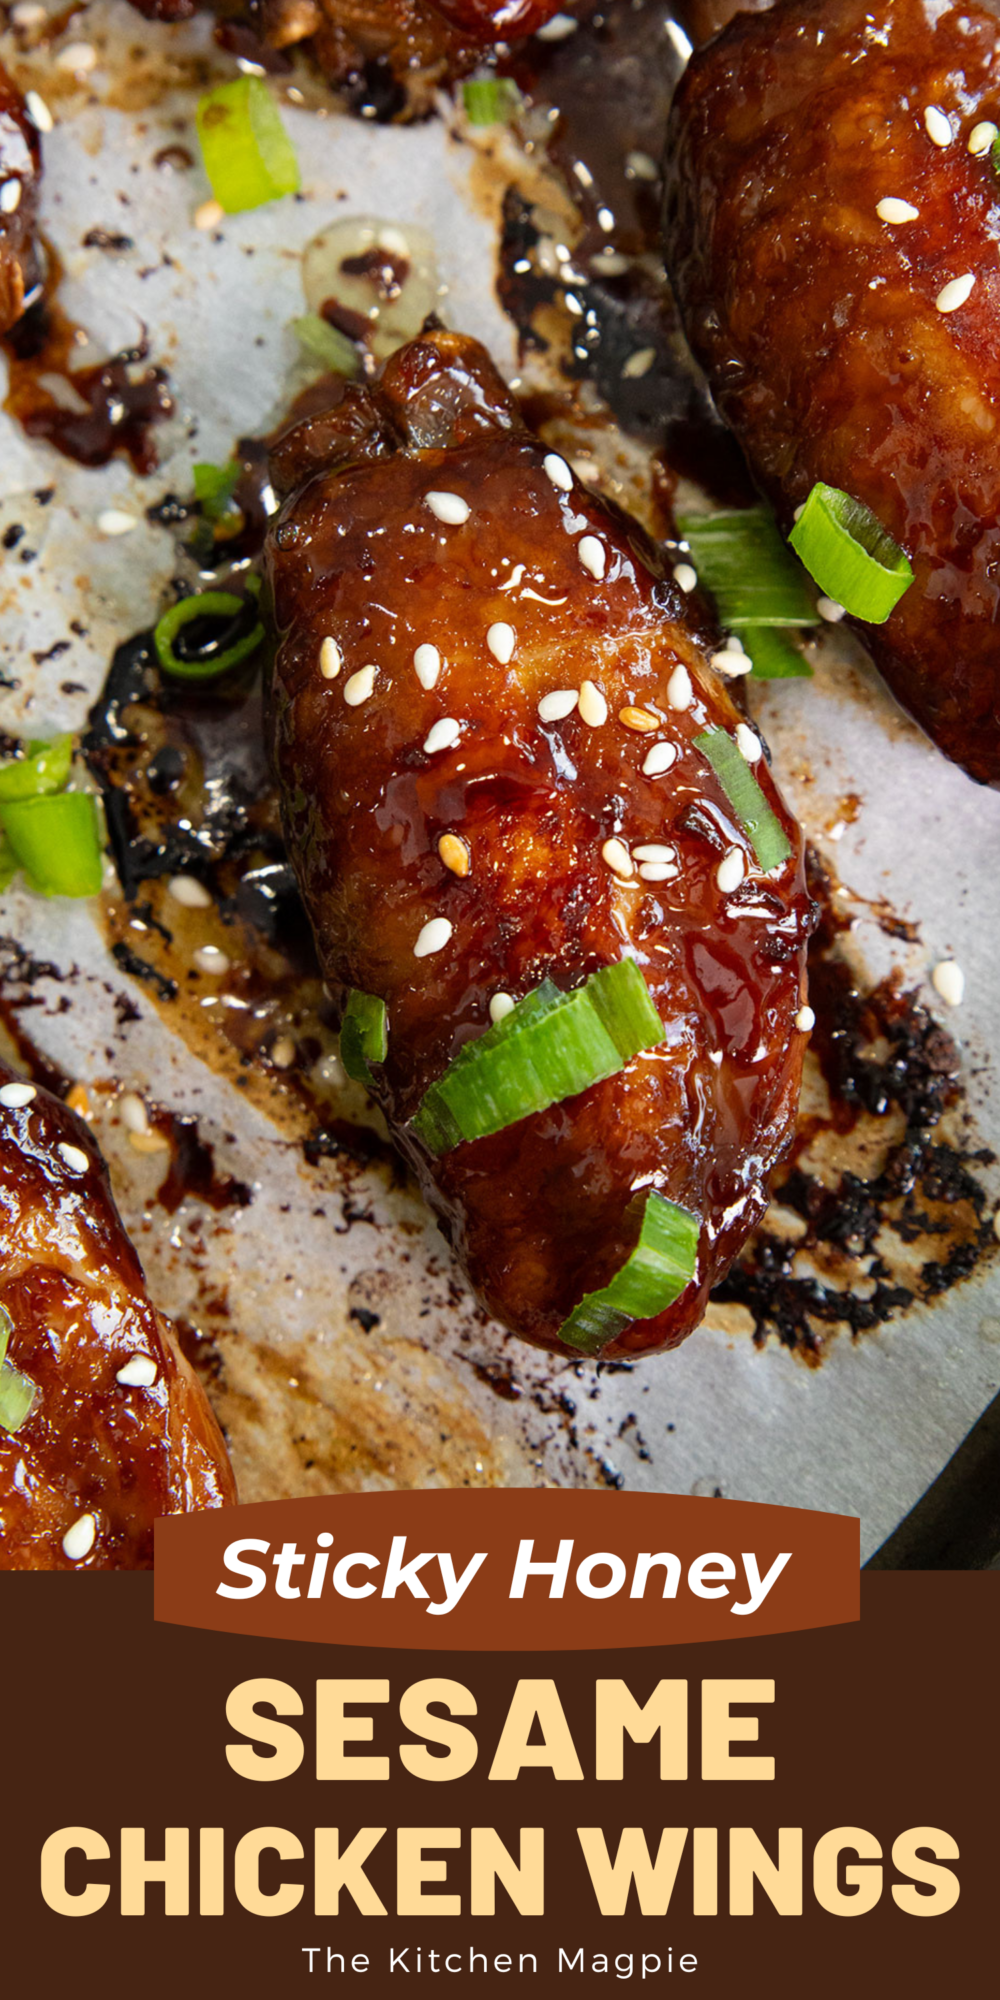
(114, 405)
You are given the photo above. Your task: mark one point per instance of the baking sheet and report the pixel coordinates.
(311, 1400)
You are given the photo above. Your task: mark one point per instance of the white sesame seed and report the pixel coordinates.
(655, 850)
(330, 659)
(748, 743)
(427, 661)
(641, 167)
(433, 937)
(14, 1096)
(442, 735)
(132, 1112)
(658, 871)
(77, 57)
(679, 689)
(593, 707)
(948, 979)
(557, 29)
(358, 687)
(592, 555)
(209, 214)
(955, 293)
(208, 958)
(686, 577)
(38, 111)
(187, 890)
(730, 871)
(114, 521)
(556, 469)
(618, 858)
(659, 759)
(283, 1052)
(501, 640)
(829, 609)
(638, 364)
(938, 127)
(805, 1020)
(732, 662)
(139, 1373)
(80, 1538)
(982, 137)
(555, 707)
(448, 507)
(73, 1158)
(10, 197)
(27, 14)
(501, 1005)
(891, 210)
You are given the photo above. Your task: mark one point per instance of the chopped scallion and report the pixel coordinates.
(249, 157)
(364, 1035)
(850, 554)
(767, 839)
(213, 489)
(490, 100)
(45, 769)
(6, 1329)
(56, 840)
(654, 1274)
(774, 656)
(326, 344)
(744, 564)
(17, 1396)
(205, 661)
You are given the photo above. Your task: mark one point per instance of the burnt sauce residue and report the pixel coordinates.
(111, 407)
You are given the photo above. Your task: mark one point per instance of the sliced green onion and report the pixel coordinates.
(364, 1035)
(774, 656)
(17, 1395)
(744, 564)
(551, 1046)
(56, 841)
(745, 796)
(249, 157)
(849, 553)
(45, 769)
(490, 100)
(654, 1274)
(206, 604)
(6, 1329)
(324, 343)
(8, 863)
(213, 489)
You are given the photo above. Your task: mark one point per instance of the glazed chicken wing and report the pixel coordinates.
(119, 1430)
(20, 172)
(832, 228)
(484, 716)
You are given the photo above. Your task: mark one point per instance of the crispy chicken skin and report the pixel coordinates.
(817, 322)
(536, 1213)
(20, 171)
(74, 1290)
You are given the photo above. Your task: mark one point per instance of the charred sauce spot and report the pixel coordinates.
(192, 1174)
(113, 407)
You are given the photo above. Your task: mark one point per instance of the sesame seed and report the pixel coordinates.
(641, 167)
(730, 871)
(80, 1538)
(557, 29)
(448, 507)
(139, 1373)
(209, 214)
(805, 1020)
(10, 197)
(655, 850)
(38, 111)
(27, 14)
(686, 577)
(433, 937)
(618, 858)
(208, 958)
(555, 707)
(501, 640)
(955, 293)
(283, 1052)
(455, 854)
(891, 210)
(593, 707)
(658, 871)
(330, 659)
(556, 469)
(829, 609)
(359, 686)
(948, 979)
(114, 521)
(658, 760)
(679, 689)
(748, 743)
(73, 1158)
(638, 719)
(132, 1112)
(732, 661)
(149, 1142)
(982, 137)
(638, 364)
(77, 57)
(938, 127)
(427, 661)
(76, 1099)
(14, 1096)
(501, 1005)
(443, 735)
(592, 555)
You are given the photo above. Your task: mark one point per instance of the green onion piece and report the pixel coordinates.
(8, 863)
(654, 1274)
(364, 1035)
(17, 1395)
(56, 841)
(551, 1046)
(774, 656)
(6, 1329)
(744, 564)
(850, 554)
(45, 769)
(206, 604)
(249, 157)
(213, 489)
(490, 100)
(745, 796)
(324, 343)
